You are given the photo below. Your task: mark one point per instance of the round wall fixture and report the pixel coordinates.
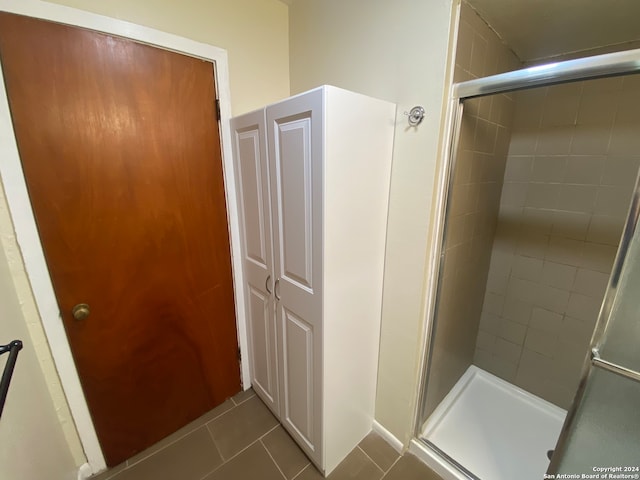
(415, 116)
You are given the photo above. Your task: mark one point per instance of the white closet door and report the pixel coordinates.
(255, 209)
(295, 131)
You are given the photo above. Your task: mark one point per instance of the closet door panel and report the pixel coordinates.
(262, 332)
(295, 201)
(298, 371)
(295, 152)
(256, 216)
(255, 205)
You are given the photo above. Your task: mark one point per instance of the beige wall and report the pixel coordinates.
(254, 33)
(30, 318)
(396, 51)
(573, 161)
(473, 212)
(32, 442)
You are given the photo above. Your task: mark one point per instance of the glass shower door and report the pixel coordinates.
(602, 434)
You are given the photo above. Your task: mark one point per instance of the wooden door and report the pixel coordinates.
(250, 152)
(121, 154)
(296, 167)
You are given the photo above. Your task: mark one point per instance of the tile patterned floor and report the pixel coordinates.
(242, 440)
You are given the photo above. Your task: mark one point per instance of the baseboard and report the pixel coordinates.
(389, 437)
(435, 462)
(85, 471)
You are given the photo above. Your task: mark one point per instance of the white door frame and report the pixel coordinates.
(24, 222)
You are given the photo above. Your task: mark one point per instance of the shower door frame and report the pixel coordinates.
(600, 66)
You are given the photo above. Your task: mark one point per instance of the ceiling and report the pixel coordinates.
(538, 29)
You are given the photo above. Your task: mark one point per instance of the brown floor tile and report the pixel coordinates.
(410, 468)
(310, 473)
(284, 451)
(253, 463)
(383, 454)
(241, 426)
(190, 427)
(357, 466)
(191, 458)
(238, 398)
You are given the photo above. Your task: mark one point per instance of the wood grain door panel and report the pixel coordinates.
(120, 149)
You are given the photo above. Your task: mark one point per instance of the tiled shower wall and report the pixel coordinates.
(572, 165)
(473, 213)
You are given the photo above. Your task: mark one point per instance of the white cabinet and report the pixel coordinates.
(313, 180)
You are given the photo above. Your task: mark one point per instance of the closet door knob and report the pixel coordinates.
(266, 284)
(80, 311)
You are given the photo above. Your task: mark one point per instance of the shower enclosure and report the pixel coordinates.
(532, 313)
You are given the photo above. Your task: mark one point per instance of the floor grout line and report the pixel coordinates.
(308, 463)
(173, 442)
(224, 461)
(269, 431)
(211, 420)
(372, 460)
(215, 444)
(305, 455)
(237, 404)
(300, 472)
(392, 465)
(129, 465)
(272, 459)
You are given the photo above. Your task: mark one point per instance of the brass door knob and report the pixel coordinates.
(80, 311)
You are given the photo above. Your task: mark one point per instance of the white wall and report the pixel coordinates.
(395, 51)
(32, 443)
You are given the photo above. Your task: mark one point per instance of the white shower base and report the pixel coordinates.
(495, 430)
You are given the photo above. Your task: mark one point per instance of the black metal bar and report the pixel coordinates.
(13, 348)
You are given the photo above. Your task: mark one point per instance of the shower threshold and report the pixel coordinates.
(493, 429)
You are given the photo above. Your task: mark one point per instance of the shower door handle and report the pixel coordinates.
(625, 372)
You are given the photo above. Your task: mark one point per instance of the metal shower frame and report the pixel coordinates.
(600, 66)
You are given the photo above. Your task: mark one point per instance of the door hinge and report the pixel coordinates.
(218, 108)
(240, 364)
